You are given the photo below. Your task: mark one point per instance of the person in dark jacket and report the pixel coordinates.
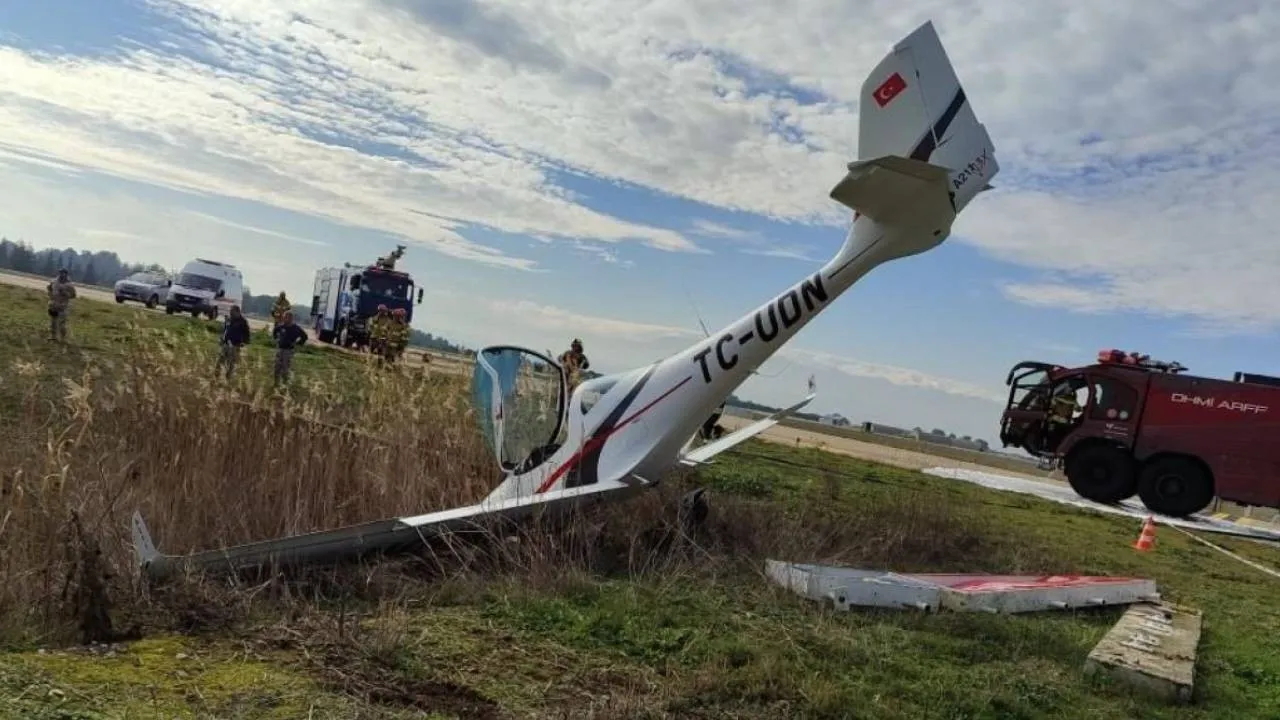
(288, 336)
(235, 335)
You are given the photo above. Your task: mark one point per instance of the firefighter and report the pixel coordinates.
(1063, 407)
(378, 331)
(278, 309)
(397, 335)
(574, 362)
(1063, 404)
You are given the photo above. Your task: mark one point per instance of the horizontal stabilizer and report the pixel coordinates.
(704, 453)
(885, 187)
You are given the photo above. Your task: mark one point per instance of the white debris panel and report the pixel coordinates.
(846, 588)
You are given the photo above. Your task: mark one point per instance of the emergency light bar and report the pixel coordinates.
(1139, 360)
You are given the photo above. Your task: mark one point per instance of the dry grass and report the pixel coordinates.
(212, 464)
(619, 612)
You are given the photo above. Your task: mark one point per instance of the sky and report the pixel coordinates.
(615, 170)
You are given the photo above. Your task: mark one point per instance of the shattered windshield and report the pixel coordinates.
(517, 397)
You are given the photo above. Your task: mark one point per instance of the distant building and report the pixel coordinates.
(964, 443)
(834, 420)
(891, 431)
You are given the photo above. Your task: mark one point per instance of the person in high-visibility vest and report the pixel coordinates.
(397, 335)
(279, 308)
(378, 331)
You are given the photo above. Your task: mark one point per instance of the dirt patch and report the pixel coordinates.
(376, 685)
(372, 666)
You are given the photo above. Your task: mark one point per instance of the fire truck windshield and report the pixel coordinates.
(390, 287)
(1029, 391)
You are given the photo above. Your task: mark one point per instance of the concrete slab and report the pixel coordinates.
(1152, 649)
(1065, 495)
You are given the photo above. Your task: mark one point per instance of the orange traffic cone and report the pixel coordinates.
(1147, 539)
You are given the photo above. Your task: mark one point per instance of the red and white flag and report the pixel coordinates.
(889, 89)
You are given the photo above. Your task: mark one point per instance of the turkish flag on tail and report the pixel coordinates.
(889, 89)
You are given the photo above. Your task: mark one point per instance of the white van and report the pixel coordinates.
(205, 287)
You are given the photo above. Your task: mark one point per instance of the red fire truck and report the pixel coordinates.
(1129, 425)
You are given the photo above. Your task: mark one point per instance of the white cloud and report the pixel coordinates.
(1145, 162)
(46, 212)
(751, 242)
(708, 228)
(623, 344)
(552, 319)
(256, 230)
(1140, 151)
(903, 377)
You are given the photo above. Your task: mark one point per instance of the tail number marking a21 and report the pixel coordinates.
(967, 173)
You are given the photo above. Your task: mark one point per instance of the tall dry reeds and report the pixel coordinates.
(212, 464)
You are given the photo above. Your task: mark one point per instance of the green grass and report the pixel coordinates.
(701, 637)
(104, 334)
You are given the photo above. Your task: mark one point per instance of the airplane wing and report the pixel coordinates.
(387, 535)
(703, 453)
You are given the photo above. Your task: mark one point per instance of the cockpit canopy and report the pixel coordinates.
(519, 399)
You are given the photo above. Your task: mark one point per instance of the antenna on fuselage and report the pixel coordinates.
(707, 333)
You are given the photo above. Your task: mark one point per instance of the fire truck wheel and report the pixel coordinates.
(1102, 473)
(1175, 486)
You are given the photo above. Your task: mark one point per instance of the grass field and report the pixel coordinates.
(616, 617)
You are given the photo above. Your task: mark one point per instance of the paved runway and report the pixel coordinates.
(875, 452)
(1062, 493)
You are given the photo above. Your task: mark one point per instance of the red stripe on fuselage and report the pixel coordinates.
(597, 441)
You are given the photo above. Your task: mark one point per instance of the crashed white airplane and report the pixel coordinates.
(923, 156)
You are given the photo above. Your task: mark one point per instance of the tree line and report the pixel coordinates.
(86, 268)
(105, 268)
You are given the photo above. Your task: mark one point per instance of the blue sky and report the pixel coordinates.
(599, 169)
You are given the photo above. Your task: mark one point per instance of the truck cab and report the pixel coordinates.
(1051, 407)
(1088, 421)
(376, 286)
(345, 300)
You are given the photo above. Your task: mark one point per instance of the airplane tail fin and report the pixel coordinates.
(142, 543)
(922, 154)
